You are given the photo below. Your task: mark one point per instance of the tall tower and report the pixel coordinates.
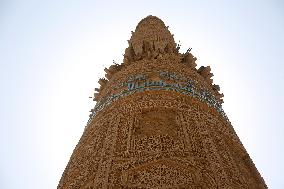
(158, 123)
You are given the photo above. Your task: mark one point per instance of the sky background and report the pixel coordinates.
(52, 54)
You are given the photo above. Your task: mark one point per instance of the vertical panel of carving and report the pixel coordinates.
(196, 150)
(118, 175)
(194, 138)
(230, 165)
(111, 123)
(224, 150)
(95, 146)
(183, 134)
(185, 126)
(123, 140)
(130, 123)
(211, 151)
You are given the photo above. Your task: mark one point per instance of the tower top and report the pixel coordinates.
(152, 42)
(151, 37)
(151, 29)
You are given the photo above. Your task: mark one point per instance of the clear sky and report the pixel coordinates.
(53, 52)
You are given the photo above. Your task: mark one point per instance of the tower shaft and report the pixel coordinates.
(159, 123)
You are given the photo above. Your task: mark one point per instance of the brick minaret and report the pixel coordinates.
(159, 123)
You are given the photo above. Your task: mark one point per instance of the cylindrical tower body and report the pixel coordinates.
(159, 123)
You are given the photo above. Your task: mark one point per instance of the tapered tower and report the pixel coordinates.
(159, 123)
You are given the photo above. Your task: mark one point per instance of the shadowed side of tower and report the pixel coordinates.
(158, 123)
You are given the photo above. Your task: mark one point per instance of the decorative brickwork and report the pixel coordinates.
(159, 123)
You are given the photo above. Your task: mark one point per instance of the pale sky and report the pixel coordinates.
(52, 54)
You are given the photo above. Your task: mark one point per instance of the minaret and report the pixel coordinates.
(159, 123)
